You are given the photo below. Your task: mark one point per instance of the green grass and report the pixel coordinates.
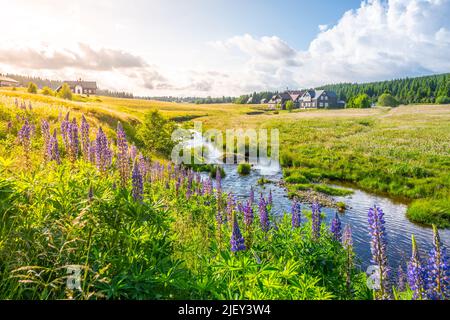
(402, 152)
(430, 210)
(244, 169)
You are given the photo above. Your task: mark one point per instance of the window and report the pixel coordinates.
(326, 97)
(321, 104)
(326, 104)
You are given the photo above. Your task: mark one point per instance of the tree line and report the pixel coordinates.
(427, 89)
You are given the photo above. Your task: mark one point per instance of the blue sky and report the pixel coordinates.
(220, 47)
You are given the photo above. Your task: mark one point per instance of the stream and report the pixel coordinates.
(398, 227)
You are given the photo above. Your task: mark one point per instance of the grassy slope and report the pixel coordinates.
(403, 151)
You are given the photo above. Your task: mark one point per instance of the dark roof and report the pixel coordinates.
(84, 84)
(316, 93)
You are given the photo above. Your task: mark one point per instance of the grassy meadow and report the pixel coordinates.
(137, 228)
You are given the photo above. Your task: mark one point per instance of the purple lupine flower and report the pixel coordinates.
(85, 141)
(218, 180)
(122, 155)
(74, 144)
(143, 166)
(347, 239)
(92, 152)
(45, 130)
(64, 129)
(25, 137)
(237, 240)
(347, 244)
(416, 273)
(438, 283)
(296, 214)
(138, 186)
(401, 279)
(16, 102)
(101, 151)
(54, 153)
(263, 215)
(248, 214)
(378, 245)
(316, 220)
(335, 228)
(219, 217)
(252, 196)
(133, 151)
(231, 205)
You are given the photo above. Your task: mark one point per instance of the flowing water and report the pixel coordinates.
(398, 226)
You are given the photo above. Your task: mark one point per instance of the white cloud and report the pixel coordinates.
(380, 40)
(323, 27)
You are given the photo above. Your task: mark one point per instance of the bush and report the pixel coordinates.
(47, 91)
(387, 100)
(289, 105)
(65, 92)
(442, 100)
(32, 88)
(244, 168)
(156, 134)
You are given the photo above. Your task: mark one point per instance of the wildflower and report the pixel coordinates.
(401, 279)
(316, 220)
(378, 244)
(231, 204)
(438, 270)
(92, 152)
(64, 129)
(237, 240)
(335, 228)
(73, 140)
(296, 214)
(52, 151)
(218, 180)
(133, 151)
(25, 136)
(101, 151)
(263, 215)
(85, 141)
(347, 243)
(122, 155)
(248, 214)
(416, 273)
(45, 130)
(252, 196)
(138, 187)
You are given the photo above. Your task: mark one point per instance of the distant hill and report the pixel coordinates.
(408, 90)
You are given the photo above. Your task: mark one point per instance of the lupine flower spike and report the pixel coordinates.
(122, 155)
(416, 273)
(378, 245)
(296, 214)
(138, 187)
(335, 228)
(438, 270)
(347, 243)
(237, 240)
(316, 220)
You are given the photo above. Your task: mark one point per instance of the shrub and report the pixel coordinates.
(32, 88)
(289, 105)
(156, 134)
(65, 92)
(442, 100)
(47, 91)
(244, 168)
(387, 100)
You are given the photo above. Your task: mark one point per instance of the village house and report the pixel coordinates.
(8, 82)
(81, 87)
(306, 99)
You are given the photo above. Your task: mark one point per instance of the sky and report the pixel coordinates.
(223, 47)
